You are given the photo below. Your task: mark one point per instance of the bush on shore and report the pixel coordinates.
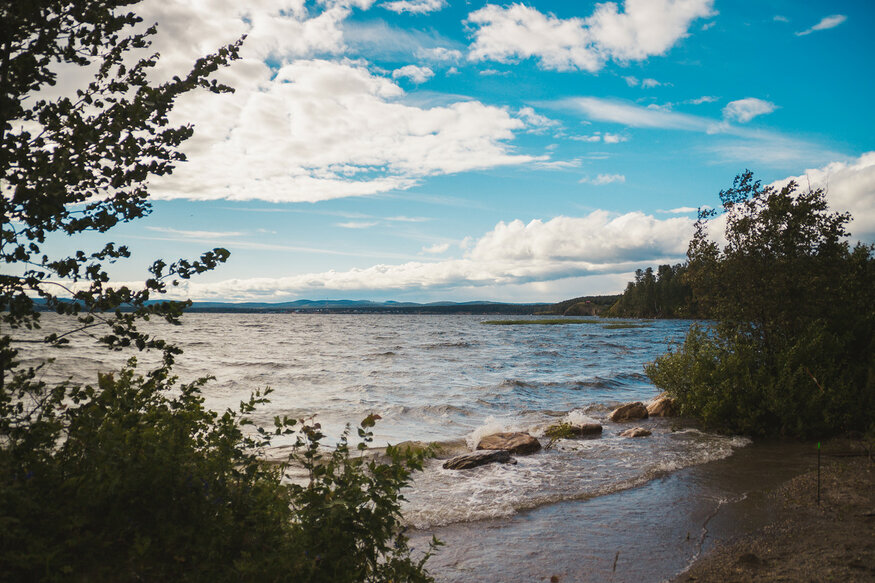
(134, 480)
(792, 348)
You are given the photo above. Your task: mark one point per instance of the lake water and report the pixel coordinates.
(448, 379)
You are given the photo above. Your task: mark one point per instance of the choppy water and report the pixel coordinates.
(449, 379)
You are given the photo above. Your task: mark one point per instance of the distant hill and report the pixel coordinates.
(583, 306)
(369, 307)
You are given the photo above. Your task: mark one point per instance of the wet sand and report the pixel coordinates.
(654, 532)
(832, 539)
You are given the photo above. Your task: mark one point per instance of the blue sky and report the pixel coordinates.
(429, 150)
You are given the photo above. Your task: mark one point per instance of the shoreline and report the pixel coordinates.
(672, 528)
(830, 539)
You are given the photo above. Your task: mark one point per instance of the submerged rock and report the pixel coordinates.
(629, 412)
(478, 458)
(661, 406)
(636, 432)
(567, 430)
(521, 443)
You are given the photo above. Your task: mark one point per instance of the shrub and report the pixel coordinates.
(792, 350)
(134, 480)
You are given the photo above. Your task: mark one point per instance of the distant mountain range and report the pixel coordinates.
(365, 306)
(589, 304)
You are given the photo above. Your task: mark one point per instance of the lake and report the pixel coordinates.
(451, 380)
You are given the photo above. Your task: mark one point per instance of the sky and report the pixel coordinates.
(426, 150)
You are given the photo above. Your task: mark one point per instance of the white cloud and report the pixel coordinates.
(357, 224)
(414, 73)
(825, 24)
(607, 138)
(850, 187)
(647, 83)
(701, 100)
(631, 81)
(403, 219)
(414, 6)
(613, 138)
(437, 248)
(196, 234)
(746, 109)
(680, 210)
(559, 164)
(320, 129)
(513, 253)
(604, 179)
(536, 122)
(780, 18)
(644, 28)
(439, 54)
(637, 116)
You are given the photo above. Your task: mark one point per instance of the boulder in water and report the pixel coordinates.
(569, 430)
(520, 442)
(478, 458)
(636, 432)
(629, 412)
(661, 406)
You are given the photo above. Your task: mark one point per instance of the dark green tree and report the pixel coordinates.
(80, 162)
(132, 479)
(792, 351)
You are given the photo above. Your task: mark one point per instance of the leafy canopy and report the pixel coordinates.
(792, 349)
(79, 163)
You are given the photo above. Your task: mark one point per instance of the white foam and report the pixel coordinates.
(494, 425)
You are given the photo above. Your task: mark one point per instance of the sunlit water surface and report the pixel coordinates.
(446, 379)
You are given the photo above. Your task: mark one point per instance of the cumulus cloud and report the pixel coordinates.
(746, 109)
(642, 29)
(319, 129)
(414, 6)
(647, 83)
(414, 73)
(514, 253)
(825, 24)
(306, 124)
(850, 186)
(604, 179)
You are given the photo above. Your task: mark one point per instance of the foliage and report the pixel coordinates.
(792, 351)
(133, 480)
(80, 163)
(663, 295)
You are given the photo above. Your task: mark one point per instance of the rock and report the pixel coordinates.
(661, 406)
(478, 458)
(521, 443)
(629, 412)
(566, 430)
(636, 432)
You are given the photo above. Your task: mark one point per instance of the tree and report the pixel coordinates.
(80, 163)
(792, 351)
(132, 479)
